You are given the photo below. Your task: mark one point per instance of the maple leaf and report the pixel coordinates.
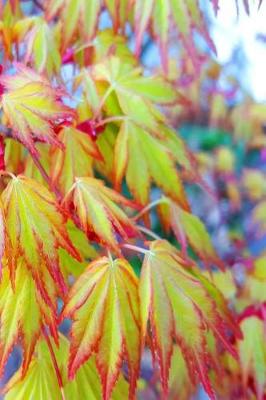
(119, 11)
(23, 312)
(186, 16)
(255, 284)
(106, 144)
(41, 381)
(36, 228)
(181, 305)
(223, 281)
(215, 4)
(135, 94)
(32, 108)
(13, 155)
(3, 237)
(9, 17)
(79, 17)
(188, 228)
(66, 164)
(98, 213)
(69, 265)
(104, 305)
(141, 157)
(180, 385)
(252, 354)
(42, 46)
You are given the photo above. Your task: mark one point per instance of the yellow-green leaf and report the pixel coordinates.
(181, 305)
(99, 215)
(104, 305)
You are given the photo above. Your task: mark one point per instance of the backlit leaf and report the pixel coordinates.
(40, 381)
(104, 305)
(99, 215)
(75, 159)
(36, 228)
(3, 238)
(181, 305)
(32, 108)
(189, 229)
(78, 17)
(41, 45)
(142, 158)
(186, 16)
(252, 353)
(23, 312)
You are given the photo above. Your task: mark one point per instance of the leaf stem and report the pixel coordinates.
(149, 232)
(103, 100)
(149, 206)
(7, 173)
(111, 119)
(136, 248)
(56, 367)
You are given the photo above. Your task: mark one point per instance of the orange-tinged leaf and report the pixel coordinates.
(142, 158)
(181, 305)
(75, 159)
(252, 354)
(185, 14)
(14, 152)
(104, 305)
(79, 17)
(23, 312)
(41, 45)
(180, 385)
(32, 108)
(189, 228)
(136, 94)
(40, 381)
(36, 228)
(98, 213)
(3, 237)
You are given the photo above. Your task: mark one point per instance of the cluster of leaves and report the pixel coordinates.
(88, 150)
